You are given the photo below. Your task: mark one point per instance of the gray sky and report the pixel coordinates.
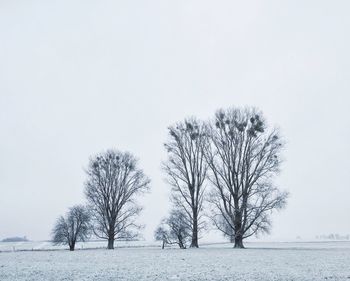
(78, 77)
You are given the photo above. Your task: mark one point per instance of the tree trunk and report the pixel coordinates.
(71, 247)
(163, 244)
(238, 227)
(181, 244)
(239, 242)
(194, 242)
(110, 243)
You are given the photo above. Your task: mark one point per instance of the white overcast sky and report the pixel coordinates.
(79, 77)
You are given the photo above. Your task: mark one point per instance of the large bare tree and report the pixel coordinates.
(74, 227)
(113, 182)
(186, 170)
(243, 156)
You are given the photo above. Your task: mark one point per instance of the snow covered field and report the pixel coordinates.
(260, 261)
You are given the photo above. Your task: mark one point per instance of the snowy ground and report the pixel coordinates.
(260, 261)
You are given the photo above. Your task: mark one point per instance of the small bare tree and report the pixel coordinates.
(162, 234)
(243, 156)
(186, 170)
(221, 223)
(114, 181)
(74, 227)
(174, 230)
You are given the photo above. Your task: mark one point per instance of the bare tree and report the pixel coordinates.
(162, 234)
(74, 227)
(186, 170)
(174, 230)
(243, 156)
(220, 221)
(114, 181)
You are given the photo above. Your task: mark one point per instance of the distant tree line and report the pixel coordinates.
(333, 236)
(15, 239)
(220, 171)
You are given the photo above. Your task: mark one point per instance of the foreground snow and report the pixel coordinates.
(262, 261)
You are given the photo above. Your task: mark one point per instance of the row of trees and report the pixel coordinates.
(230, 163)
(222, 169)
